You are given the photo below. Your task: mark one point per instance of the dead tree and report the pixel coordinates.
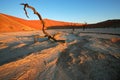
(43, 24)
(84, 26)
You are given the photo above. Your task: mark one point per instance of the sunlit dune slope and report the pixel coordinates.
(33, 24)
(11, 23)
(37, 24)
(58, 23)
(8, 24)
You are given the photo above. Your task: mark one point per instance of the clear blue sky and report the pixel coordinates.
(90, 11)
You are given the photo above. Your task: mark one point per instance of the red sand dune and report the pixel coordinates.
(11, 23)
(8, 24)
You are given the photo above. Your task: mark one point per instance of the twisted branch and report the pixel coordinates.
(43, 24)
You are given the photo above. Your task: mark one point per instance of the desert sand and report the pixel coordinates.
(83, 56)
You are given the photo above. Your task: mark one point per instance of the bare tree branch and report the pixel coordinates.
(25, 9)
(43, 24)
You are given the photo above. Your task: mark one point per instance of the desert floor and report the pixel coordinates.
(84, 56)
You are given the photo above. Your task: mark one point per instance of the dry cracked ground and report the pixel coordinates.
(82, 57)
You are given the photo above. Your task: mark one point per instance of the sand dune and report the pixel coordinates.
(10, 23)
(7, 24)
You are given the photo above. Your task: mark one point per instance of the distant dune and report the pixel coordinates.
(105, 24)
(10, 23)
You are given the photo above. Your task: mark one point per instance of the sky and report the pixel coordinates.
(80, 11)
